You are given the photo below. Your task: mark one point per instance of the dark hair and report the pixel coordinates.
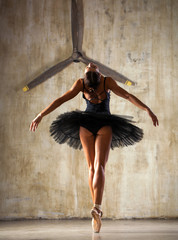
(92, 79)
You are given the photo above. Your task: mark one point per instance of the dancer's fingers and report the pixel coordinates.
(157, 122)
(31, 126)
(35, 127)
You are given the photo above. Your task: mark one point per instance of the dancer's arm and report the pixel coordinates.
(112, 85)
(75, 89)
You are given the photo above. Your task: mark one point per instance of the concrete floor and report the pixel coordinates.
(81, 229)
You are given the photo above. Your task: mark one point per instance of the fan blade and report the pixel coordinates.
(108, 71)
(47, 74)
(74, 20)
(80, 24)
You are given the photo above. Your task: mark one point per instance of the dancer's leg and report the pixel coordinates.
(102, 147)
(88, 143)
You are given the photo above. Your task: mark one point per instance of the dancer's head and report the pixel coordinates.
(92, 75)
(91, 67)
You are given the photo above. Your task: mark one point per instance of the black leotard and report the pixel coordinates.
(103, 106)
(90, 122)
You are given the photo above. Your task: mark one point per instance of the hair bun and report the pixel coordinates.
(92, 79)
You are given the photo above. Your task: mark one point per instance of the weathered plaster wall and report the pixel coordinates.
(38, 177)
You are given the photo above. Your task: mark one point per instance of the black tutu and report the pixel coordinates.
(65, 129)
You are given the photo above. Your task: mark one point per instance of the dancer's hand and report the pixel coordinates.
(153, 117)
(35, 122)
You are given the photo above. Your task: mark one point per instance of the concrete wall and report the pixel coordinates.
(38, 177)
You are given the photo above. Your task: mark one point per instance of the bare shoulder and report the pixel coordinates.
(78, 84)
(110, 83)
(115, 88)
(79, 81)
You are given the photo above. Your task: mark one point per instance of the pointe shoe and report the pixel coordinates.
(96, 220)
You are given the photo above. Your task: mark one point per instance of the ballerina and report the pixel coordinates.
(95, 130)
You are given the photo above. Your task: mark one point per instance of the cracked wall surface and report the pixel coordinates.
(41, 179)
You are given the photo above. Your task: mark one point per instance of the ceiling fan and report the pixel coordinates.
(77, 26)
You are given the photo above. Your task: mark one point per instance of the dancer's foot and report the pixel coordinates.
(96, 219)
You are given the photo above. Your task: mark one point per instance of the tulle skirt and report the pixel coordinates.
(65, 129)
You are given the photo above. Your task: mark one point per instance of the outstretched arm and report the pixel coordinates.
(112, 85)
(75, 89)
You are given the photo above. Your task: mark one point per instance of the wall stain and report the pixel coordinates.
(144, 57)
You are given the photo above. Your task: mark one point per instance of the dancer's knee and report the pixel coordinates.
(100, 163)
(91, 169)
(99, 168)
